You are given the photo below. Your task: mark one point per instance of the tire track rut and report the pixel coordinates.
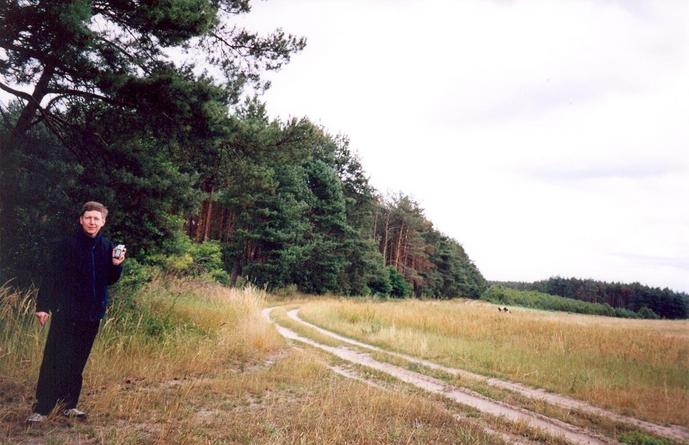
(554, 427)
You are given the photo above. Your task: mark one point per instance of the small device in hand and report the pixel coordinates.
(118, 251)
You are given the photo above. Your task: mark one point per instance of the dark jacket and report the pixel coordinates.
(81, 271)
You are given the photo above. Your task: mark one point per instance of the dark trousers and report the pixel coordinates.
(66, 352)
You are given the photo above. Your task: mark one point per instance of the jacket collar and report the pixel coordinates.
(85, 239)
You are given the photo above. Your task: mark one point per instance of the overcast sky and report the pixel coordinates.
(549, 138)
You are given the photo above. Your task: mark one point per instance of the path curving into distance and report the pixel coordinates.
(553, 427)
(674, 432)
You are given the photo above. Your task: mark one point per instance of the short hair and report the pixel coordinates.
(93, 205)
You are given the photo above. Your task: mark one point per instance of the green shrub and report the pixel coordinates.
(206, 258)
(134, 276)
(289, 290)
(637, 438)
(646, 312)
(399, 286)
(220, 276)
(193, 259)
(621, 312)
(379, 284)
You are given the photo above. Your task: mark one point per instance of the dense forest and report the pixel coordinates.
(634, 297)
(198, 178)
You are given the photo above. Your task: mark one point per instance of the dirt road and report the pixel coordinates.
(572, 434)
(674, 432)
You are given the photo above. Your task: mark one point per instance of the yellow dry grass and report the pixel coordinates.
(637, 367)
(196, 363)
(200, 326)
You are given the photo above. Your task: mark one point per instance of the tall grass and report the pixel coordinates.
(183, 327)
(171, 325)
(638, 367)
(180, 361)
(169, 329)
(21, 338)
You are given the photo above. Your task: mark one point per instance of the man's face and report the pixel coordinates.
(92, 221)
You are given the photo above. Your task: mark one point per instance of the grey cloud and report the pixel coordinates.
(681, 263)
(638, 170)
(534, 99)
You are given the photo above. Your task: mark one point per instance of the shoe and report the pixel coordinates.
(73, 412)
(36, 418)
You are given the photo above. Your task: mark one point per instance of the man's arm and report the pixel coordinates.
(45, 301)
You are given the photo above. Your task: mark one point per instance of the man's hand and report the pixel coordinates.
(117, 261)
(42, 317)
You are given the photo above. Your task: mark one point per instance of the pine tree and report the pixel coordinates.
(116, 52)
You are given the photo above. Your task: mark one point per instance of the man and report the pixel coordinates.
(76, 293)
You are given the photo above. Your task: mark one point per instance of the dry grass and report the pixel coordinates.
(294, 401)
(637, 367)
(195, 363)
(185, 328)
(21, 339)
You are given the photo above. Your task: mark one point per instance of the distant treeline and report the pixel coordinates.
(538, 300)
(634, 297)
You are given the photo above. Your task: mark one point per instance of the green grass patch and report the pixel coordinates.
(637, 438)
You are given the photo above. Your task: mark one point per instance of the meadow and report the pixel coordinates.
(187, 361)
(635, 367)
(183, 361)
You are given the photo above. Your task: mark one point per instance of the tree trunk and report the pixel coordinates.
(405, 247)
(399, 247)
(247, 251)
(209, 214)
(236, 272)
(198, 233)
(29, 111)
(230, 225)
(191, 225)
(385, 239)
(223, 224)
(375, 225)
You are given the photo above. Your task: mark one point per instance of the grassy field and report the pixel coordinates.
(190, 362)
(636, 367)
(195, 363)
